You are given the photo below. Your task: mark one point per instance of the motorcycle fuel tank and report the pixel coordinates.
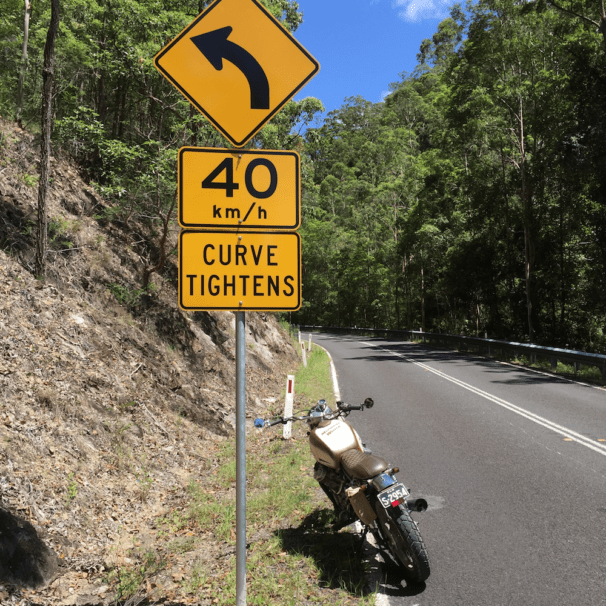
(328, 443)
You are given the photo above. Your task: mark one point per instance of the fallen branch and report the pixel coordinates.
(154, 420)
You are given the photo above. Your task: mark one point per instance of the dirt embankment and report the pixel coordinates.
(107, 410)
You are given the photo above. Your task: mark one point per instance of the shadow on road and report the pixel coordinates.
(407, 353)
(385, 575)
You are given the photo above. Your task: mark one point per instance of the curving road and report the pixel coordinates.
(512, 463)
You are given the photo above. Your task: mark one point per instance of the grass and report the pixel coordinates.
(590, 374)
(128, 580)
(72, 489)
(315, 382)
(294, 557)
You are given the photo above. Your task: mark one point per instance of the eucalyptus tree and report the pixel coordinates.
(47, 91)
(26, 16)
(509, 101)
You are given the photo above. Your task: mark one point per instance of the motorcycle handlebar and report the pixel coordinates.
(343, 408)
(347, 407)
(368, 403)
(261, 423)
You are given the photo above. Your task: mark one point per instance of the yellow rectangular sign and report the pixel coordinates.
(239, 271)
(223, 188)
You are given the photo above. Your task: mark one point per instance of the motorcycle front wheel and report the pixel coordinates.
(401, 534)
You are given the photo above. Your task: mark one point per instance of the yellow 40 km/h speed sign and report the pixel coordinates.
(239, 270)
(222, 188)
(237, 65)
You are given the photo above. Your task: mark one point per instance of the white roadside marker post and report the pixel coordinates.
(309, 348)
(304, 354)
(288, 405)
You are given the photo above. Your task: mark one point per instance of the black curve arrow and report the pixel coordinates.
(215, 47)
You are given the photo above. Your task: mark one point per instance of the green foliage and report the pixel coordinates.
(472, 199)
(72, 488)
(128, 296)
(29, 180)
(115, 114)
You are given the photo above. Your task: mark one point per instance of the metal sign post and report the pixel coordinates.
(235, 269)
(240, 458)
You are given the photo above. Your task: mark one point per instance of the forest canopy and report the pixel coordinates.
(471, 200)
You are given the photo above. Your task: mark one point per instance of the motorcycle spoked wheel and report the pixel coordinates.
(401, 534)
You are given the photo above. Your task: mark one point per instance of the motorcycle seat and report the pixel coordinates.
(361, 465)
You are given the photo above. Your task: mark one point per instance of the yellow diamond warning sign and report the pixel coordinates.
(239, 271)
(237, 65)
(227, 188)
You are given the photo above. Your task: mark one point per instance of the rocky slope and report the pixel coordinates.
(107, 411)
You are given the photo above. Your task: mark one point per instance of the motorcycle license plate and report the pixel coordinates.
(397, 492)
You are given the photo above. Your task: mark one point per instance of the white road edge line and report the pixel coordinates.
(564, 431)
(333, 374)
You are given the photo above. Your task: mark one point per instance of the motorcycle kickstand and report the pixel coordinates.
(363, 537)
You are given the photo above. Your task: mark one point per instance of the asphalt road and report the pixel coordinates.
(512, 463)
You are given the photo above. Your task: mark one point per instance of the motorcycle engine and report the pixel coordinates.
(333, 484)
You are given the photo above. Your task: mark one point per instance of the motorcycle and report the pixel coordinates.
(362, 486)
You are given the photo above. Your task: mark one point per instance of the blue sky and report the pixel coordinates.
(363, 45)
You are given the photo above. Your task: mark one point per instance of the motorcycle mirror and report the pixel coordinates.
(369, 403)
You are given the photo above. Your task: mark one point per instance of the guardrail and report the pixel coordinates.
(553, 354)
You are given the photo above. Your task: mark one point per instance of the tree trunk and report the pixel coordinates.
(528, 258)
(28, 8)
(526, 196)
(47, 98)
(397, 302)
(101, 100)
(422, 299)
(166, 221)
(122, 118)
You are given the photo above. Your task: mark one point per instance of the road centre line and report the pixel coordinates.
(564, 431)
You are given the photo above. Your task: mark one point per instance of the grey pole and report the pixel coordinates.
(240, 458)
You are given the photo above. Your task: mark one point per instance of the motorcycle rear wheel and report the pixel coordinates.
(404, 541)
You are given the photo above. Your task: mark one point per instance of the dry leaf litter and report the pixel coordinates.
(106, 415)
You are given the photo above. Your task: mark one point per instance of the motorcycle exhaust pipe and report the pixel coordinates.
(416, 504)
